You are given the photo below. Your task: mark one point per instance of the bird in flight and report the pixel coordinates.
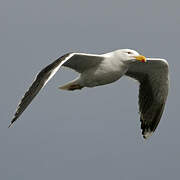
(96, 70)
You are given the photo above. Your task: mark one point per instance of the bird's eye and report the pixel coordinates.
(129, 52)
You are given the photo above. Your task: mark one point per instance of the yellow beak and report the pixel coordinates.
(140, 58)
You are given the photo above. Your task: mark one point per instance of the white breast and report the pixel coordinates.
(107, 72)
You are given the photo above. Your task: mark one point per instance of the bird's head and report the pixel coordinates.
(130, 55)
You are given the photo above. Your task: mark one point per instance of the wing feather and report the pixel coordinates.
(77, 61)
(153, 77)
(81, 62)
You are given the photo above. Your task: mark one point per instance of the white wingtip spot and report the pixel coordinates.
(147, 134)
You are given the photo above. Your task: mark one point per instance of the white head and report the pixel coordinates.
(129, 55)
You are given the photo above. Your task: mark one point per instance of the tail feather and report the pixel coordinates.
(71, 86)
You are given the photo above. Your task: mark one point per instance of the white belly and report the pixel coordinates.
(101, 76)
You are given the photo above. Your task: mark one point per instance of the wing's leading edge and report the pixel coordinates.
(77, 61)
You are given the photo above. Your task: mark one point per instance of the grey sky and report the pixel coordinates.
(93, 133)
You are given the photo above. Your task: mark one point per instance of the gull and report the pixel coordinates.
(96, 70)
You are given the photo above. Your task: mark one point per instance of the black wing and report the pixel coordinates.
(77, 61)
(154, 83)
(41, 79)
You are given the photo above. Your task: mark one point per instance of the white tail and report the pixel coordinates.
(73, 85)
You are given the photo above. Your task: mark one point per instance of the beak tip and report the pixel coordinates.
(141, 58)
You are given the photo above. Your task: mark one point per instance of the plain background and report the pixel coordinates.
(91, 134)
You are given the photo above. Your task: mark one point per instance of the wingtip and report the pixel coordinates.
(147, 134)
(10, 125)
(12, 122)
